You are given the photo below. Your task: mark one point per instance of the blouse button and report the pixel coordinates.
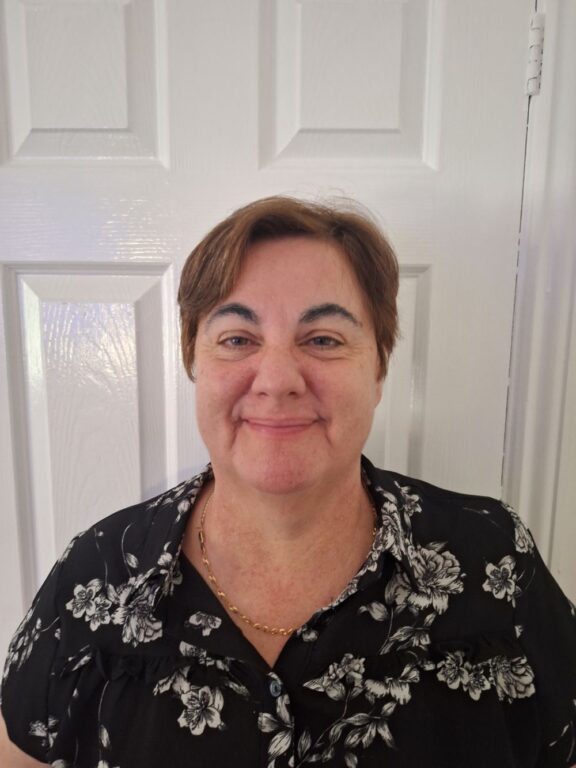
(275, 688)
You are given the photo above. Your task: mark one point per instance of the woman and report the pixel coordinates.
(292, 604)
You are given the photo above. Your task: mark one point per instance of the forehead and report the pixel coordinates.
(302, 267)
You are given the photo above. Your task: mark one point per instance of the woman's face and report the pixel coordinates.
(287, 370)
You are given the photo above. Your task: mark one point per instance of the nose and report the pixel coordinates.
(278, 373)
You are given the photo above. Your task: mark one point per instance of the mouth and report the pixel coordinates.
(279, 427)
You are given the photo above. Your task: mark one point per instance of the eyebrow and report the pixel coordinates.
(328, 310)
(308, 316)
(234, 309)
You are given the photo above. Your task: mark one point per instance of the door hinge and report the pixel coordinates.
(535, 53)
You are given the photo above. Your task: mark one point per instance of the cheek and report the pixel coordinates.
(214, 409)
(360, 399)
(218, 392)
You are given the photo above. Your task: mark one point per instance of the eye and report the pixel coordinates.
(235, 341)
(324, 341)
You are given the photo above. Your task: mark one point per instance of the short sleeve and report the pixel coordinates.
(27, 673)
(546, 624)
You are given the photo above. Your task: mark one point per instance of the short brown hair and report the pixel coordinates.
(212, 269)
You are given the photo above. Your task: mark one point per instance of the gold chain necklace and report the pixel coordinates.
(283, 631)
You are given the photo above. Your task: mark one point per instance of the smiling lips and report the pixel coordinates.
(279, 427)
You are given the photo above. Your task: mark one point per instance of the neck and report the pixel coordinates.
(257, 533)
(280, 559)
(284, 528)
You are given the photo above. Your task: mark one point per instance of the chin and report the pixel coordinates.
(280, 477)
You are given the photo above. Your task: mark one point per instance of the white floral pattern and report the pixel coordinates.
(126, 605)
(134, 613)
(24, 640)
(342, 682)
(340, 679)
(398, 688)
(205, 621)
(513, 678)
(46, 732)
(437, 574)
(523, 540)
(509, 678)
(129, 605)
(282, 726)
(90, 603)
(202, 707)
(502, 580)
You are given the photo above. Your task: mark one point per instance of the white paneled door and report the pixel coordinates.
(129, 127)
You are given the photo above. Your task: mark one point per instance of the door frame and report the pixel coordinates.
(535, 474)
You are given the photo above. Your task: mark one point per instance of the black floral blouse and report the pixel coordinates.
(452, 647)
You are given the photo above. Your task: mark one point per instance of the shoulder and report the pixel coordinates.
(110, 580)
(476, 523)
(131, 540)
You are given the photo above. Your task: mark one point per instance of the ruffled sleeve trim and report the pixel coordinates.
(471, 665)
(483, 663)
(148, 668)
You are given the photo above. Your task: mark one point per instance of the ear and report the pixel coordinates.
(379, 387)
(381, 371)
